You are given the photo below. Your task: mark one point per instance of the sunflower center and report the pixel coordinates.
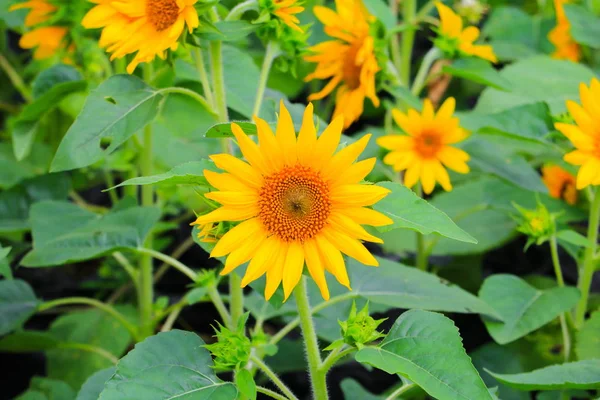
(294, 203)
(162, 14)
(350, 69)
(428, 144)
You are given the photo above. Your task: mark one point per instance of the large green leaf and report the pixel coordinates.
(354, 391)
(115, 110)
(584, 25)
(47, 389)
(63, 232)
(478, 70)
(575, 375)
(175, 115)
(522, 307)
(17, 304)
(13, 171)
(408, 210)
(92, 388)
(5, 270)
(587, 339)
(227, 31)
(240, 87)
(23, 341)
(426, 348)
(190, 173)
(169, 365)
(537, 79)
(94, 328)
(50, 77)
(504, 359)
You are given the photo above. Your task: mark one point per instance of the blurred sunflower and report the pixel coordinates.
(286, 11)
(348, 61)
(46, 40)
(426, 150)
(585, 134)
(560, 183)
(560, 36)
(299, 202)
(453, 38)
(148, 27)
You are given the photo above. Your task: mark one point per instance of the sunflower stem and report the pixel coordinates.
(586, 271)
(271, 52)
(432, 55)
(561, 282)
(409, 8)
(317, 377)
(236, 298)
(401, 390)
(422, 254)
(394, 41)
(273, 377)
(238, 11)
(200, 67)
(216, 59)
(15, 79)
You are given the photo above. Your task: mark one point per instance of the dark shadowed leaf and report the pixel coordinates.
(17, 304)
(587, 339)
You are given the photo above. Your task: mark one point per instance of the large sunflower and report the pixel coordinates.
(148, 27)
(585, 134)
(46, 40)
(300, 202)
(348, 61)
(560, 35)
(451, 30)
(426, 149)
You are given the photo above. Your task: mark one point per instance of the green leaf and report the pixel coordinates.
(48, 389)
(17, 304)
(190, 173)
(24, 341)
(427, 349)
(504, 359)
(63, 232)
(245, 384)
(94, 328)
(23, 135)
(408, 210)
(115, 110)
(92, 388)
(52, 76)
(13, 171)
(587, 339)
(16, 203)
(227, 31)
(584, 25)
(570, 236)
(4, 265)
(240, 88)
(354, 391)
(536, 79)
(405, 96)
(522, 307)
(175, 116)
(478, 70)
(381, 11)
(574, 375)
(50, 99)
(223, 130)
(176, 362)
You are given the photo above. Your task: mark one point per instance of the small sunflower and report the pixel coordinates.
(426, 150)
(46, 40)
(585, 134)
(286, 11)
(455, 38)
(560, 36)
(148, 27)
(297, 202)
(560, 183)
(348, 61)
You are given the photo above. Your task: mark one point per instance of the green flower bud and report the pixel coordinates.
(360, 328)
(537, 224)
(231, 350)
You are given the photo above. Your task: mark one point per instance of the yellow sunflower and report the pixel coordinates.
(46, 40)
(585, 134)
(451, 29)
(148, 27)
(298, 202)
(560, 36)
(426, 149)
(348, 61)
(560, 183)
(285, 10)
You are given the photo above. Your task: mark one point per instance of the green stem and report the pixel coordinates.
(216, 59)
(586, 273)
(239, 10)
(425, 10)
(94, 303)
(317, 378)
(90, 349)
(333, 358)
(422, 254)
(401, 390)
(196, 96)
(110, 183)
(124, 262)
(208, 94)
(215, 297)
(394, 41)
(432, 55)
(270, 393)
(561, 282)
(15, 79)
(168, 325)
(236, 298)
(408, 12)
(169, 260)
(271, 52)
(273, 377)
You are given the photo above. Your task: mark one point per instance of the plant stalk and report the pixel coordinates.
(215, 297)
(199, 59)
(561, 282)
(15, 79)
(409, 9)
(432, 55)
(184, 269)
(273, 377)
(216, 58)
(317, 377)
(236, 298)
(422, 254)
(271, 53)
(401, 390)
(394, 39)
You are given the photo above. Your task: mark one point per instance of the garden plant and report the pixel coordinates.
(299, 199)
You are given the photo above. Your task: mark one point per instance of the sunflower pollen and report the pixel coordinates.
(162, 13)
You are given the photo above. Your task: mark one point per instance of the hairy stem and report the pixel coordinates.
(199, 59)
(561, 282)
(216, 58)
(271, 53)
(273, 377)
(215, 297)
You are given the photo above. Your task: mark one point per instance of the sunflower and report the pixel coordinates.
(425, 150)
(560, 36)
(458, 39)
(285, 10)
(560, 183)
(348, 61)
(46, 40)
(297, 202)
(585, 134)
(148, 27)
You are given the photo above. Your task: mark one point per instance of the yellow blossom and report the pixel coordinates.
(560, 36)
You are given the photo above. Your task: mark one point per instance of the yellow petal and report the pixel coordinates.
(243, 253)
(275, 272)
(225, 182)
(447, 109)
(315, 266)
(577, 157)
(428, 177)
(234, 199)
(358, 195)
(355, 173)
(268, 145)
(238, 169)
(454, 158)
(286, 135)
(232, 239)
(413, 172)
(345, 157)
(350, 227)
(307, 138)
(366, 216)
(294, 264)
(227, 214)
(328, 142)
(333, 260)
(250, 150)
(349, 246)
(264, 258)
(396, 142)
